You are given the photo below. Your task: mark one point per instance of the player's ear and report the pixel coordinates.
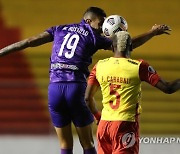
(88, 21)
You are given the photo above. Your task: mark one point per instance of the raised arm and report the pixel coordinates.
(34, 41)
(155, 30)
(168, 87)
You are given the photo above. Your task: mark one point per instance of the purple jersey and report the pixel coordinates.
(72, 51)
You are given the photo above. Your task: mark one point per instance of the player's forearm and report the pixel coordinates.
(91, 104)
(155, 30)
(141, 39)
(173, 86)
(14, 47)
(34, 41)
(168, 87)
(89, 97)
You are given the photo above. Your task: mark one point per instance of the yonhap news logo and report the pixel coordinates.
(159, 140)
(129, 139)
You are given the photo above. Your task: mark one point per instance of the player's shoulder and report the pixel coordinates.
(143, 62)
(146, 66)
(67, 25)
(101, 64)
(58, 27)
(134, 61)
(102, 61)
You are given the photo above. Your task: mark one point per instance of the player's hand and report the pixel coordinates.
(97, 117)
(160, 29)
(97, 121)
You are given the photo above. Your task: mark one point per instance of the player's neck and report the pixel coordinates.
(121, 55)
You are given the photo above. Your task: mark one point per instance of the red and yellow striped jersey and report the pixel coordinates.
(120, 82)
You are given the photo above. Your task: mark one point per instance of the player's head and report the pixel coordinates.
(122, 44)
(95, 16)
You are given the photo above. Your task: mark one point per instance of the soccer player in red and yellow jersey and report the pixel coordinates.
(120, 80)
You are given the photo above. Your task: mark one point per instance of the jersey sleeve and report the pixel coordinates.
(103, 42)
(51, 30)
(92, 77)
(148, 74)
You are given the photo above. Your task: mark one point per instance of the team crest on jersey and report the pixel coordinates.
(151, 69)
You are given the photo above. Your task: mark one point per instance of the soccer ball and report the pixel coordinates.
(113, 24)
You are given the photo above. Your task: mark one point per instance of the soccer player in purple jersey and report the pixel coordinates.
(73, 48)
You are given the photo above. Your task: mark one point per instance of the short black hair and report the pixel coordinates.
(96, 10)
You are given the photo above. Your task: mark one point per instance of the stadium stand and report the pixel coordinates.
(21, 105)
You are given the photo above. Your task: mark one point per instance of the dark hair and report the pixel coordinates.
(96, 10)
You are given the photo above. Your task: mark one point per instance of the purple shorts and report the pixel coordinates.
(67, 103)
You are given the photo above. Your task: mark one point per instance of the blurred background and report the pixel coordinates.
(24, 75)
